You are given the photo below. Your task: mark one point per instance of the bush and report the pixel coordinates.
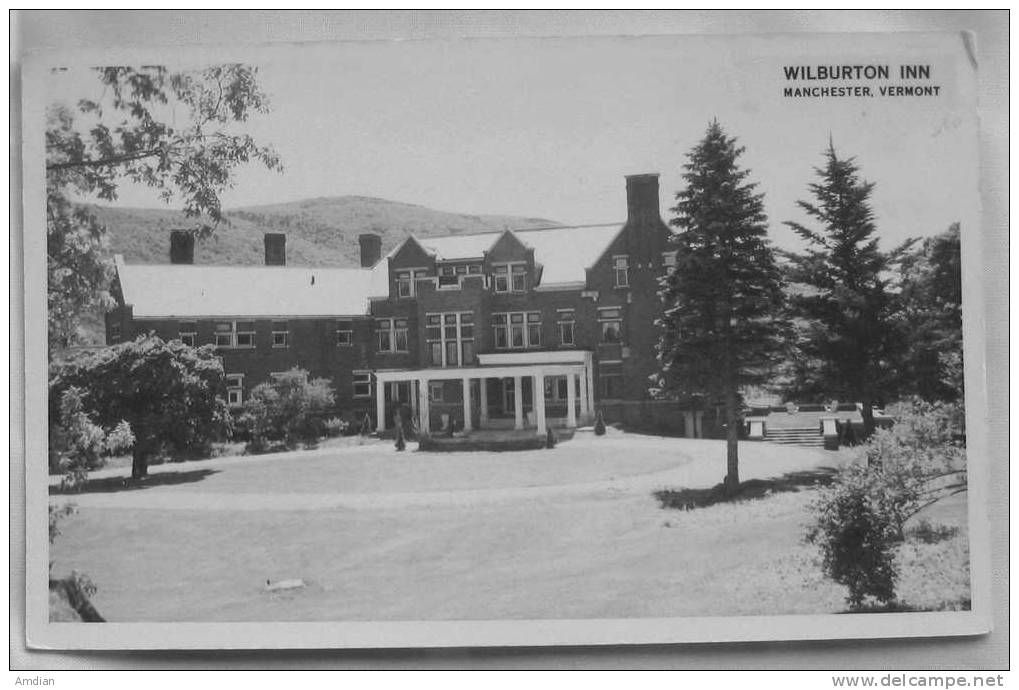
(856, 536)
(287, 411)
(77, 445)
(334, 426)
(861, 517)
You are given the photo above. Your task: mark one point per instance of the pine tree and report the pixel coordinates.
(722, 327)
(849, 338)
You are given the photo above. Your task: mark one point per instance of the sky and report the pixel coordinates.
(549, 127)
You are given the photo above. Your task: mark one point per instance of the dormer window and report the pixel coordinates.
(510, 277)
(621, 270)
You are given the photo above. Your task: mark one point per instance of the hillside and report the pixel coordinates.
(320, 232)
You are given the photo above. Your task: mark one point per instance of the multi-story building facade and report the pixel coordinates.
(514, 329)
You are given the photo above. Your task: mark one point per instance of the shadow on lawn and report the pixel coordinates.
(112, 484)
(750, 490)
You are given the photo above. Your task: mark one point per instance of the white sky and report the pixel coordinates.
(549, 127)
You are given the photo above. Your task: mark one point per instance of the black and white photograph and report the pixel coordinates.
(505, 341)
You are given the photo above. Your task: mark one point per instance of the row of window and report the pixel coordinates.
(450, 335)
(506, 277)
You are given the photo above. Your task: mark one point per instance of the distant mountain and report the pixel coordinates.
(320, 232)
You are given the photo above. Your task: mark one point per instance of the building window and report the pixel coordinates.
(669, 260)
(392, 335)
(240, 334)
(611, 386)
(566, 322)
(406, 281)
(450, 338)
(362, 384)
(517, 330)
(280, 334)
(555, 388)
(435, 392)
(621, 270)
(235, 389)
(344, 332)
(187, 332)
(510, 277)
(611, 320)
(115, 332)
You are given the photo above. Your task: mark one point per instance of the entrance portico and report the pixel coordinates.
(565, 378)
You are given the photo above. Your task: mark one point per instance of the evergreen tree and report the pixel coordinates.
(849, 339)
(722, 327)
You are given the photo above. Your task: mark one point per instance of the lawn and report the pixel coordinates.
(573, 532)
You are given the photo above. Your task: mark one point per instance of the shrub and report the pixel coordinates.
(77, 445)
(856, 536)
(599, 424)
(334, 426)
(286, 411)
(860, 518)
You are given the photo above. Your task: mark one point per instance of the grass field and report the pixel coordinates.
(572, 532)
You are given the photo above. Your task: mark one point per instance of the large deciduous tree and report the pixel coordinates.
(849, 340)
(169, 393)
(178, 132)
(722, 327)
(931, 299)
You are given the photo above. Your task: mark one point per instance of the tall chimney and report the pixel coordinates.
(371, 249)
(182, 247)
(642, 205)
(275, 249)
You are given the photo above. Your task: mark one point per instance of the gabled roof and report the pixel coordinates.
(182, 291)
(564, 252)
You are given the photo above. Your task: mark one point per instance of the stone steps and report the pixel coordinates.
(796, 436)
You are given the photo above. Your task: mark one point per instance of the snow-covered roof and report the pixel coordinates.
(564, 252)
(176, 290)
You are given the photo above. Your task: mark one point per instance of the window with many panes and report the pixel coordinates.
(406, 281)
(392, 335)
(566, 321)
(235, 389)
(510, 277)
(344, 332)
(556, 388)
(611, 321)
(187, 331)
(621, 270)
(450, 338)
(450, 274)
(515, 330)
(435, 392)
(240, 334)
(362, 381)
(280, 334)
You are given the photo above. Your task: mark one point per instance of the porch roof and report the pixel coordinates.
(482, 372)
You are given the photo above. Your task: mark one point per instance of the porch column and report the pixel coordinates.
(380, 405)
(571, 400)
(585, 404)
(538, 394)
(589, 376)
(467, 403)
(424, 426)
(518, 402)
(413, 397)
(483, 392)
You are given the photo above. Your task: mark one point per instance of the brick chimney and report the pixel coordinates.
(182, 247)
(371, 249)
(275, 249)
(642, 204)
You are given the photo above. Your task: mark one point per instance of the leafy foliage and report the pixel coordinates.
(722, 326)
(287, 411)
(169, 393)
(79, 444)
(860, 518)
(131, 134)
(57, 515)
(848, 342)
(931, 300)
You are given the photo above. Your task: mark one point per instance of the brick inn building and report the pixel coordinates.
(521, 329)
